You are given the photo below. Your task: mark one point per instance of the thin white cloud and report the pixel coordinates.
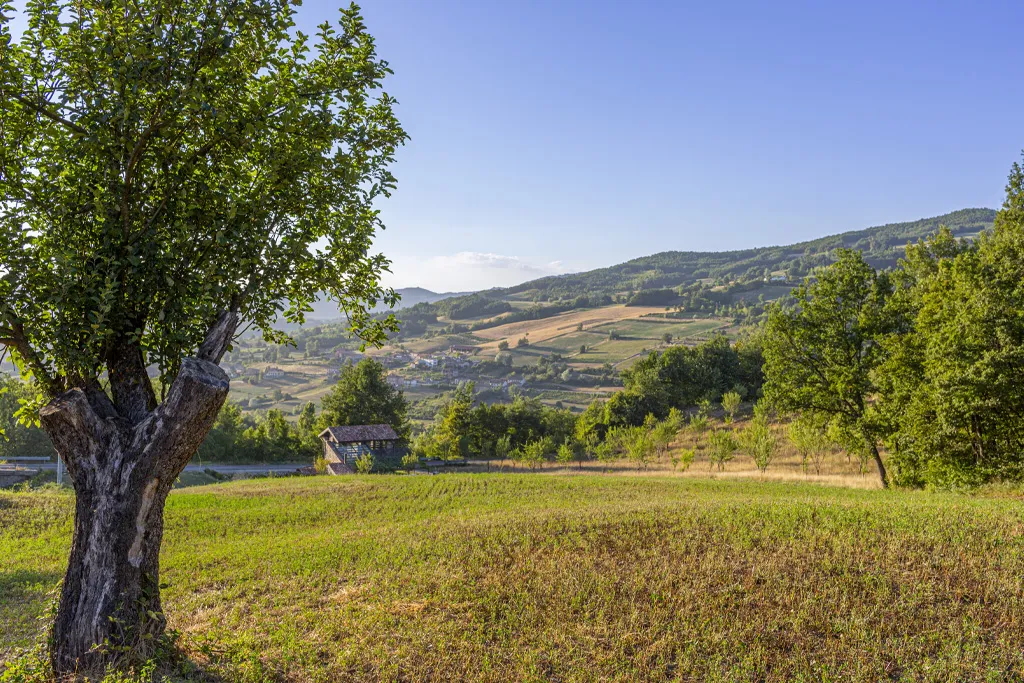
(469, 270)
(488, 261)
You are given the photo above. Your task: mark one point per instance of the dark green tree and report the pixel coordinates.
(169, 169)
(363, 396)
(950, 387)
(821, 355)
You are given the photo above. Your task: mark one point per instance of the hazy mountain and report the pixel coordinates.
(324, 311)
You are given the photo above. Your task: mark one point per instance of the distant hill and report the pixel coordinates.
(882, 245)
(326, 311)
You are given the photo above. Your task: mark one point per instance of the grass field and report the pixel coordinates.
(555, 578)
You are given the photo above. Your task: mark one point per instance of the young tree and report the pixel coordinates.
(664, 433)
(503, 345)
(807, 435)
(821, 355)
(452, 424)
(536, 453)
(684, 458)
(721, 446)
(730, 404)
(566, 453)
(759, 441)
(169, 170)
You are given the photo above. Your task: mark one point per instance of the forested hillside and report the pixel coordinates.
(882, 246)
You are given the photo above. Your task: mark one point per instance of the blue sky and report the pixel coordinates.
(565, 135)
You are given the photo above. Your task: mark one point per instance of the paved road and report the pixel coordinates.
(196, 467)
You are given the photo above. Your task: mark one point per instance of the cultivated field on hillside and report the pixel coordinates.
(538, 578)
(546, 328)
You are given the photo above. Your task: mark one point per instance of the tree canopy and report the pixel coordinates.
(163, 164)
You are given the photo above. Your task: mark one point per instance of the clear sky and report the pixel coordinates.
(565, 135)
(562, 135)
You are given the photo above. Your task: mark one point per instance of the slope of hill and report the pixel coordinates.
(883, 246)
(560, 578)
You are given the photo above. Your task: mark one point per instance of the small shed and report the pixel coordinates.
(343, 445)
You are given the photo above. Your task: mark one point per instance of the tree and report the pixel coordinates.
(503, 345)
(566, 453)
(451, 428)
(16, 437)
(807, 435)
(636, 444)
(721, 446)
(950, 389)
(363, 396)
(536, 452)
(821, 355)
(523, 342)
(169, 170)
(583, 349)
(667, 337)
(759, 441)
(664, 432)
(730, 404)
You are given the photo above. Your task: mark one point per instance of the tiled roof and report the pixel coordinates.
(361, 433)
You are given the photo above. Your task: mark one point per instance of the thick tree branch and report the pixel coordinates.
(77, 431)
(173, 432)
(129, 382)
(219, 337)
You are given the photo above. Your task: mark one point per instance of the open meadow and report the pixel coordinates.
(496, 577)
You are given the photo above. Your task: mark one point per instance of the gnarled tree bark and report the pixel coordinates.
(123, 460)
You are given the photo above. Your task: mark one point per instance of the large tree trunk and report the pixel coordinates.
(122, 469)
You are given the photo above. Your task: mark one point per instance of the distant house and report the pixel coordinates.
(396, 381)
(344, 445)
(460, 348)
(273, 373)
(429, 362)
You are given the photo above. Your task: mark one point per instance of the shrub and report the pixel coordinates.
(364, 463)
(684, 458)
(759, 441)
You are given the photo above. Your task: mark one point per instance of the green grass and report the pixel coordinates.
(538, 578)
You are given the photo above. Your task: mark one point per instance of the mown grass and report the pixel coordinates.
(538, 578)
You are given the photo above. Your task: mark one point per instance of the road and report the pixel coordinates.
(223, 468)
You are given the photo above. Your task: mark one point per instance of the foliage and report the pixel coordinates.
(162, 164)
(683, 376)
(362, 396)
(821, 356)
(807, 434)
(731, 401)
(759, 441)
(721, 446)
(951, 389)
(20, 437)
